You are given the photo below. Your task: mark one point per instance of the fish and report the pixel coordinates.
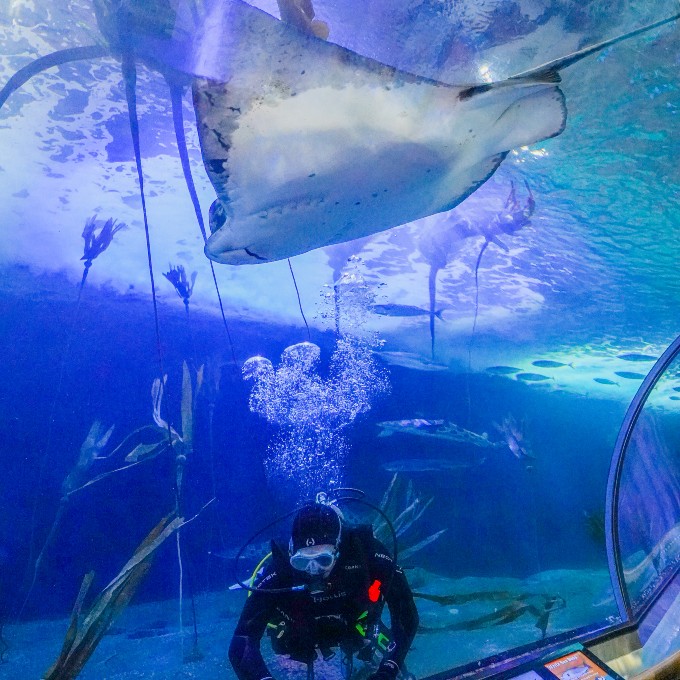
(532, 377)
(674, 397)
(637, 357)
(430, 465)
(404, 310)
(676, 389)
(437, 429)
(411, 360)
(628, 375)
(308, 144)
(547, 363)
(576, 672)
(605, 381)
(503, 370)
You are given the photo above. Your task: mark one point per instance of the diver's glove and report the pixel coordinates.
(388, 670)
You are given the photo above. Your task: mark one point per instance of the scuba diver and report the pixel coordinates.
(327, 589)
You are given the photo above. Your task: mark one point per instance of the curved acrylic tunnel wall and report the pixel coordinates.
(643, 503)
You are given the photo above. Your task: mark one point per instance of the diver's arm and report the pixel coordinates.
(403, 612)
(244, 651)
(403, 616)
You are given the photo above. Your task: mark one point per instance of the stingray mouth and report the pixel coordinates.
(236, 256)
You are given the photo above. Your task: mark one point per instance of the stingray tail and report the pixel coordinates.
(178, 121)
(552, 67)
(130, 77)
(23, 75)
(548, 73)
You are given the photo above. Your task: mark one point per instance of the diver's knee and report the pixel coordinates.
(237, 649)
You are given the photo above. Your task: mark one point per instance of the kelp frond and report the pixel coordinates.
(404, 507)
(83, 637)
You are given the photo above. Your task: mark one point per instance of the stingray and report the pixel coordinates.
(308, 144)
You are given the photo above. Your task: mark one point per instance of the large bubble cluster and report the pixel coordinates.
(312, 411)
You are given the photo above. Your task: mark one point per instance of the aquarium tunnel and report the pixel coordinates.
(407, 268)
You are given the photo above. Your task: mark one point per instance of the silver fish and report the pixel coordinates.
(404, 310)
(637, 357)
(547, 363)
(308, 144)
(503, 370)
(532, 377)
(629, 375)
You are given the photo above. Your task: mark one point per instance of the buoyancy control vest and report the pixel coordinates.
(336, 611)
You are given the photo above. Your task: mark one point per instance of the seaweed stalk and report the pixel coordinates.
(401, 494)
(82, 638)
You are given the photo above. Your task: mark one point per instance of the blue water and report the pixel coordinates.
(107, 375)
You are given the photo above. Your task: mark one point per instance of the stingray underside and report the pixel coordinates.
(308, 144)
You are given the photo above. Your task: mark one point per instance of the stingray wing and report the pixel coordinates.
(309, 144)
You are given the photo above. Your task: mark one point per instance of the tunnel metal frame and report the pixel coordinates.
(630, 420)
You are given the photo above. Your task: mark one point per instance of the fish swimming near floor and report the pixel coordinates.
(637, 357)
(437, 429)
(308, 144)
(629, 375)
(547, 363)
(404, 310)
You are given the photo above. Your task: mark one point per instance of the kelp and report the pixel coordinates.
(83, 636)
(404, 508)
(183, 286)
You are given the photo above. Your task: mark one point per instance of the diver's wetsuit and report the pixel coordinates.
(335, 615)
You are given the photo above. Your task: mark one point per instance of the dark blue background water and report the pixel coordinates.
(501, 518)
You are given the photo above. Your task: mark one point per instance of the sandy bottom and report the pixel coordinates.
(145, 641)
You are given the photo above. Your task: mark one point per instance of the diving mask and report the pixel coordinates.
(314, 560)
